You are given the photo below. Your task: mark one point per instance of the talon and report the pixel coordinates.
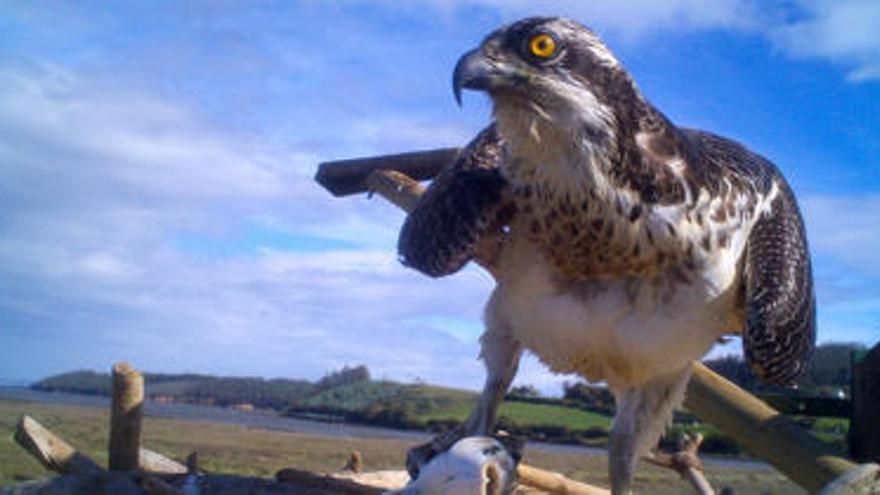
(420, 455)
(417, 457)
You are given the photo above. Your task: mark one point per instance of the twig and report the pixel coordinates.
(355, 462)
(685, 462)
(398, 188)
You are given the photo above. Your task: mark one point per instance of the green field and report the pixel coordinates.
(425, 402)
(237, 449)
(547, 415)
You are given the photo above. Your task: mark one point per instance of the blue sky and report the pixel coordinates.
(157, 160)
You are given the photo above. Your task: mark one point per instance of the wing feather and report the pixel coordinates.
(780, 302)
(778, 294)
(463, 204)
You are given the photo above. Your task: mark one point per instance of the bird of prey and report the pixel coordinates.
(623, 245)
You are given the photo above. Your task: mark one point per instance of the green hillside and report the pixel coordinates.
(429, 407)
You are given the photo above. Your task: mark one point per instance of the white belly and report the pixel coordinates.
(622, 331)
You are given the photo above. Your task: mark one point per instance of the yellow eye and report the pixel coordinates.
(542, 45)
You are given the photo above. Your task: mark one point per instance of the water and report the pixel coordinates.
(272, 421)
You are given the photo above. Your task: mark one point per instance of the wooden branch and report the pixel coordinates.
(125, 418)
(686, 463)
(763, 431)
(346, 177)
(51, 450)
(154, 462)
(861, 480)
(554, 483)
(398, 188)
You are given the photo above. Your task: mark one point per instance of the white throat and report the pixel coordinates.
(568, 149)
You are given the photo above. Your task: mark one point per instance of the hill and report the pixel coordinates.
(190, 388)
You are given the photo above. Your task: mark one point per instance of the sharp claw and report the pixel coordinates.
(420, 455)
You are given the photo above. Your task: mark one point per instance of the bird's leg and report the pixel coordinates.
(642, 415)
(501, 355)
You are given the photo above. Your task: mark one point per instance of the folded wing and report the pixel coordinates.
(464, 203)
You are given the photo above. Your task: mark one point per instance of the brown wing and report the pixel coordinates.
(780, 303)
(462, 204)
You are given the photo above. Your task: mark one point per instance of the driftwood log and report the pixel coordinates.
(50, 450)
(125, 417)
(345, 177)
(57, 455)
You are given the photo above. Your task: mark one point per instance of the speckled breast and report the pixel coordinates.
(587, 236)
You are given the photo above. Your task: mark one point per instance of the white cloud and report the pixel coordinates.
(130, 139)
(626, 17)
(843, 31)
(844, 228)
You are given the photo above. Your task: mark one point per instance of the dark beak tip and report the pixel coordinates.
(471, 71)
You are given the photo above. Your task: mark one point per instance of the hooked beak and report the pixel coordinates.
(476, 71)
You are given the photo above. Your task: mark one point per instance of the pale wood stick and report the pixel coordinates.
(51, 450)
(554, 483)
(125, 418)
(763, 431)
(398, 188)
(686, 463)
(154, 462)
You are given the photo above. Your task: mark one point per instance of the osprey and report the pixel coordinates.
(624, 246)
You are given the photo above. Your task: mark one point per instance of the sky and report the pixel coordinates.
(157, 202)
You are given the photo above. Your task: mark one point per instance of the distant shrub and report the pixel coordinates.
(716, 443)
(346, 376)
(594, 432)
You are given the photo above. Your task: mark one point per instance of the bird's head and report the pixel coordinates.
(553, 70)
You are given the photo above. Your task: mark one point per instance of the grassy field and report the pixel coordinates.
(426, 403)
(241, 450)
